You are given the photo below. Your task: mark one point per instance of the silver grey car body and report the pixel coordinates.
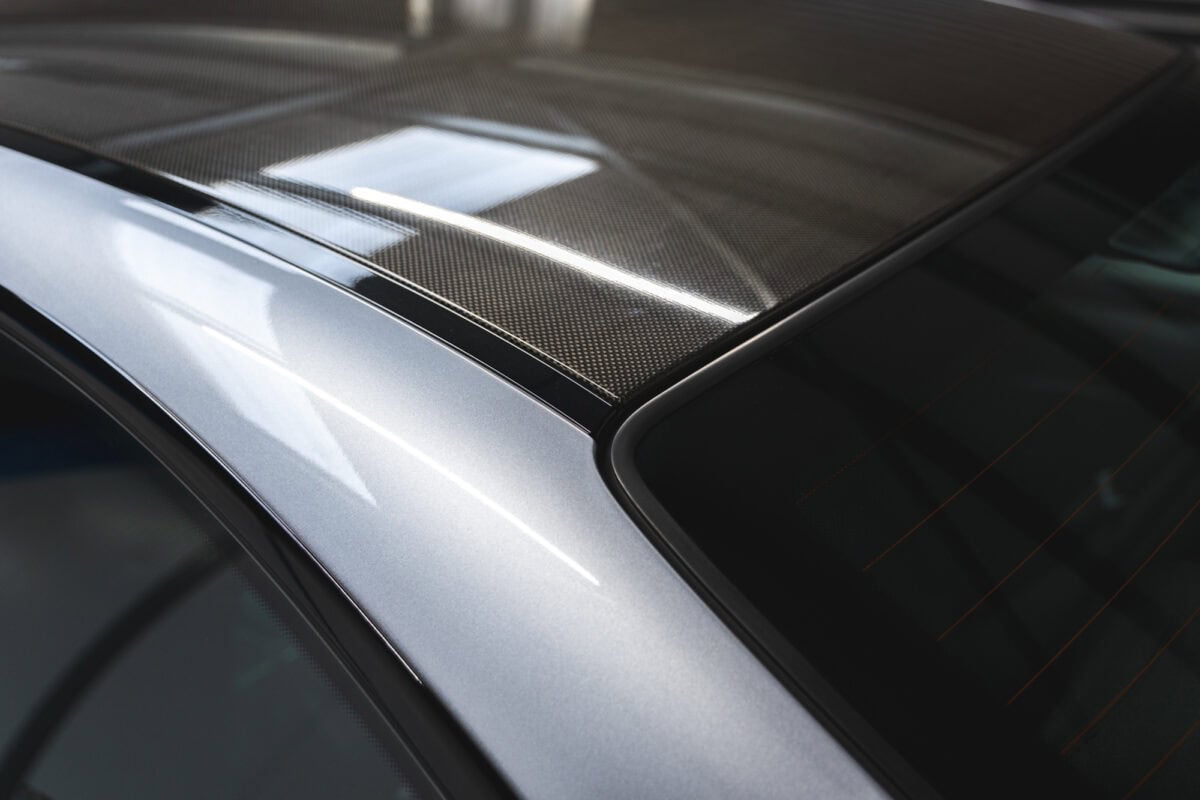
(465, 515)
(485, 546)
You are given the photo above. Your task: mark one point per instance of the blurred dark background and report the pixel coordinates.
(1172, 19)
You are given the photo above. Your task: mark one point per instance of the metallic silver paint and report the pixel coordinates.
(468, 521)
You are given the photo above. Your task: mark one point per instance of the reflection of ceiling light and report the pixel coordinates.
(551, 251)
(444, 168)
(464, 485)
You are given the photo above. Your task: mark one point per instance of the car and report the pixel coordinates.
(610, 399)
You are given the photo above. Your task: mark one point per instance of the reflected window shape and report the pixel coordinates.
(450, 178)
(214, 295)
(145, 655)
(450, 170)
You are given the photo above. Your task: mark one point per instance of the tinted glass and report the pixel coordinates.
(969, 497)
(143, 655)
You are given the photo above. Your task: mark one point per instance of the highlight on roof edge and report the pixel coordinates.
(599, 399)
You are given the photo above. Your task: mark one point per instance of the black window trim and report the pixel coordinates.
(452, 764)
(617, 440)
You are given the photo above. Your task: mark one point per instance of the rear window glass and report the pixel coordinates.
(970, 497)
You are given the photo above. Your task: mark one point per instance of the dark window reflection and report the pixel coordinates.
(972, 497)
(143, 657)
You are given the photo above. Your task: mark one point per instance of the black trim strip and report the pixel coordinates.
(618, 439)
(562, 392)
(437, 743)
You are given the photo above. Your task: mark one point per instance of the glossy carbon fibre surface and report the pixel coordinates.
(464, 518)
(612, 185)
(557, 389)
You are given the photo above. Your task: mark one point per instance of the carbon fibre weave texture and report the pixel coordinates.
(614, 203)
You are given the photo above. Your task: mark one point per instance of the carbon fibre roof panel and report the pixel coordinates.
(613, 188)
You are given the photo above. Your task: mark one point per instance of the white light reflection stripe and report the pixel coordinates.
(561, 255)
(425, 459)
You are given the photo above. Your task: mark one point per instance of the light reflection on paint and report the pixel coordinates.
(457, 171)
(220, 296)
(409, 449)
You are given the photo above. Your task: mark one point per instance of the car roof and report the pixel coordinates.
(619, 198)
(465, 519)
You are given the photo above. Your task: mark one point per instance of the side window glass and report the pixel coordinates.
(144, 656)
